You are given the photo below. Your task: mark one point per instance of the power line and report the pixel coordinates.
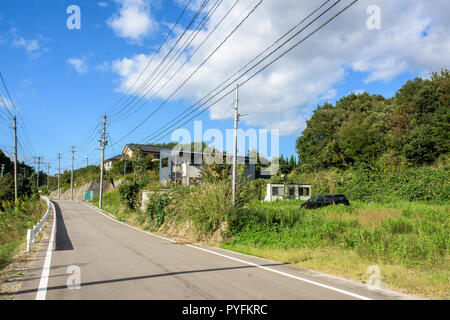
(251, 61)
(184, 63)
(236, 73)
(192, 74)
(10, 99)
(168, 53)
(257, 72)
(158, 77)
(90, 137)
(153, 56)
(26, 139)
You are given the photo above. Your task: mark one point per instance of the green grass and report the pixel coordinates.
(14, 225)
(408, 240)
(110, 202)
(403, 237)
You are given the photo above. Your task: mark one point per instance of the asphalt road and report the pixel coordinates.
(116, 261)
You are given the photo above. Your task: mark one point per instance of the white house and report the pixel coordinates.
(278, 191)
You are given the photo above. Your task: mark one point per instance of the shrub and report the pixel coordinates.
(129, 193)
(251, 190)
(207, 206)
(156, 207)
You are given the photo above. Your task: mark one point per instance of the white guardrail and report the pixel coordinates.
(32, 233)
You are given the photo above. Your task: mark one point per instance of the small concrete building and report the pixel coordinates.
(185, 167)
(278, 191)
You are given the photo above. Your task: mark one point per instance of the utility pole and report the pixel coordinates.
(103, 143)
(71, 177)
(15, 158)
(236, 119)
(87, 161)
(125, 168)
(48, 172)
(59, 175)
(39, 159)
(3, 169)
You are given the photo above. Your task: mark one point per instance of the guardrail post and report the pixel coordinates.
(31, 233)
(28, 239)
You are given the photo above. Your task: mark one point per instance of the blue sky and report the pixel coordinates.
(62, 80)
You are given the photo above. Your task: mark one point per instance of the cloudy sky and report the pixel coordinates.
(63, 79)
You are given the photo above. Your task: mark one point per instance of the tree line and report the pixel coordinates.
(26, 179)
(412, 127)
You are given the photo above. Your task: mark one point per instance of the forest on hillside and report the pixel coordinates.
(412, 127)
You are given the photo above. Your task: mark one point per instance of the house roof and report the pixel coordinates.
(146, 148)
(227, 157)
(115, 158)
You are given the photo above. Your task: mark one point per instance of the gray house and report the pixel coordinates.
(185, 167)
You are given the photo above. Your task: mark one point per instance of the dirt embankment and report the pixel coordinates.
(79, 191)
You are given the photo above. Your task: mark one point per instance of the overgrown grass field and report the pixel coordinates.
(14, 225)
(409, 241)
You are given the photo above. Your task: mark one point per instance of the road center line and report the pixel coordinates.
(242, 261)
(42, 289)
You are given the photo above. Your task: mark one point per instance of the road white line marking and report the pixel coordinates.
(126, 224)
(283, 273)
(242, 261)
(42, 290)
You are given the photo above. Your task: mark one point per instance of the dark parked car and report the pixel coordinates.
(323, 200)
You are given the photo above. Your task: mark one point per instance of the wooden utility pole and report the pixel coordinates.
(59, 175)
(71, 177)
(48, 172)
(39, 159)
(236, 119)
(237, 116)
(103, 143)
(15, 158)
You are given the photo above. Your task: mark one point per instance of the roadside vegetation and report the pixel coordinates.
(408, 240)
(15, 222)
(390, 157)
(17, 217)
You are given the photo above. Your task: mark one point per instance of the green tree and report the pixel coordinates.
(7, 188)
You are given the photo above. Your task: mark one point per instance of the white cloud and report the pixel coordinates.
(104, 67)
(102, 4)
(134, 20)
(413, 38)
(33, 47)
(79, 65)
(330, 94)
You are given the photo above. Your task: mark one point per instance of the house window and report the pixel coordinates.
(156, 156)
(306, 192)
(303, 192)
(278, 191)
(292, 191)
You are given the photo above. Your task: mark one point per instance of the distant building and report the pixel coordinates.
(150, 150)
(278, 191)
(186, 167)
(108, 163)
